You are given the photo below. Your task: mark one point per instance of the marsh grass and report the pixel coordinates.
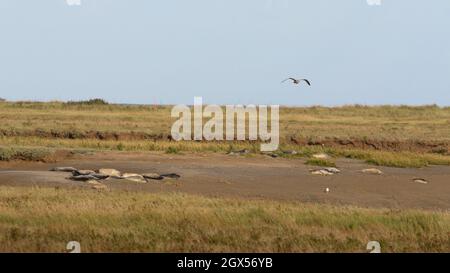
(172, 150)
(379, 158)
(26, 154)
(396, 159)
(383, 122)
(45, 219)
(72, 120)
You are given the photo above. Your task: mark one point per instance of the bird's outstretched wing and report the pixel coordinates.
(307, 81)
(292, 79)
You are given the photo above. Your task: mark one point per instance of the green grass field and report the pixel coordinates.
(45, 219)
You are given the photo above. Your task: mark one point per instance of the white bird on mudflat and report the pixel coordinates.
(297, 81)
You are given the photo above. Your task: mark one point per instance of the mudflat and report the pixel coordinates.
(252, 177)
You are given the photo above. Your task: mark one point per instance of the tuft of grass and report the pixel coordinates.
(45, 219)
(320, 162)
(172, 150)
(120, 146)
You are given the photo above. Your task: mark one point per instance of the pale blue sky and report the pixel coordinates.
(228, 51)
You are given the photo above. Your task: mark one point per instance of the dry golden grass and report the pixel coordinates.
(381, 122)
(382, 158)
(22, 123)
(62, 117)
(45, 219)
(397, 159)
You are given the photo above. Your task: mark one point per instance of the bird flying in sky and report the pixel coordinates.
(297, 81)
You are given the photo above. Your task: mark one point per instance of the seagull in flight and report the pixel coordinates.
(297, 81)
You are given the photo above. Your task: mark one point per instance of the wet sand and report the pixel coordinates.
(258, 177)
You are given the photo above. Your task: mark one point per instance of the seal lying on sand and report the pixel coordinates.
(83, 172)
(153, 176)
(171, 175)
(83, 178)
(326, 171)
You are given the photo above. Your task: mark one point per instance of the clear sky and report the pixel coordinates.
(227, 51)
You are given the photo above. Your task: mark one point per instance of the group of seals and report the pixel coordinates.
(93, 177)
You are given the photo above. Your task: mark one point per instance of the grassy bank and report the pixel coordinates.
(29, 154)
(44, 220)
(397, 136)
(43, 149)
(383, 122)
